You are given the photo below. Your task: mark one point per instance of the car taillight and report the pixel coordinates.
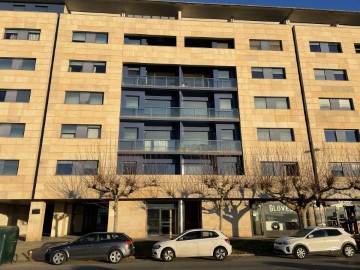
(227, 241)
(128, 243)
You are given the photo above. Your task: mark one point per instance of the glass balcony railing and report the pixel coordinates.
(186, 82)
(180, 145)
(180, 113)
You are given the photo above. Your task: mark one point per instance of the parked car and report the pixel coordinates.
(108, 246)
(193, 243)
(317, 240)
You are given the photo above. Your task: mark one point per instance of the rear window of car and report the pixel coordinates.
(120, 237)
(333, 232)
(209, 234)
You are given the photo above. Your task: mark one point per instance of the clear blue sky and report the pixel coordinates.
(353, 5)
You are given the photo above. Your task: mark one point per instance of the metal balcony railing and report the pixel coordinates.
(180, 113)
(186, 82)
(180, 145)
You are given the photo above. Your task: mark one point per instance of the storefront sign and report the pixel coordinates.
(279, 208)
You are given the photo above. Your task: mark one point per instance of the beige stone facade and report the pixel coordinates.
(134, 214)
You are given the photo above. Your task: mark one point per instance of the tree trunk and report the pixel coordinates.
(116, 214)
(301, 212)
(221, 212)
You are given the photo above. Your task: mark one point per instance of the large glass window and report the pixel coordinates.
(14, 95)
(341, 135)
(17, 63)
(279, 217)
(132, 102)
(22, 34)
(94, 98)
(265, 45)
(76, 167)
(130, 133)
(90, 37)
(344, 104)
(330, 74)
(329, 47)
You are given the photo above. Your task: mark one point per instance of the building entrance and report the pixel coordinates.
(162, 219)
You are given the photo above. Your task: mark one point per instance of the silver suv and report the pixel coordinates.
(317, 240)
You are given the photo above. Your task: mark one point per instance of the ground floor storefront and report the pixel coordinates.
(167, 217)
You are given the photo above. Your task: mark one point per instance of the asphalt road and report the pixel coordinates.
(231, 263)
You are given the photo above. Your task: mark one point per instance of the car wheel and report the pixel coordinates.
(167, 255)
(58, 257)
(348, 251)
(300, 252)
(115, 256)
(220, 253)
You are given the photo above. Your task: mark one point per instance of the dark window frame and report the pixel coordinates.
(268, 73)
(270, 102)
(325, 47)
(334, 104)
(15, 95)
(91, 37)
(264, 45)
(82, 97)
(77, 167)
(340, 135)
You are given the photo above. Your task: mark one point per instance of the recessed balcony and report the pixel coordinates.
(181, 113)
(186, 146)
(179, 82)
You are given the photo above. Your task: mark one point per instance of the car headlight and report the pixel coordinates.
(286, 243)
(156, 246)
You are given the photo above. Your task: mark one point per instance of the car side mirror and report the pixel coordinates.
(310, 236)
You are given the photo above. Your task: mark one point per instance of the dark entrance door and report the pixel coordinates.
(89, 217)
(49, 213)
(192, 215)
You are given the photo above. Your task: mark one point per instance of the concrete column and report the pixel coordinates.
(110, 227)
(181, 215)
(36, 221)
(179, 16)
(61, 220)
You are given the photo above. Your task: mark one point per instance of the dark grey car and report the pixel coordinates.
(108, 246)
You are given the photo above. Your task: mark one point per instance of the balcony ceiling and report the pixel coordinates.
(210, 11)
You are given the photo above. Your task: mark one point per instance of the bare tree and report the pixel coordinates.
(220, 175)
(286, 173)
(67, 187)
(112, 180)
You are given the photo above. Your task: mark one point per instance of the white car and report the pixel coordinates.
(194, 243)
(317, 240)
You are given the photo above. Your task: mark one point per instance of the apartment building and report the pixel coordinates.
(174, 89)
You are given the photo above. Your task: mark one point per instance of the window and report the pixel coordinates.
(330, 47)
(333, 232)
(225, 103)
(80, 131)
(339, 169)
(209, 234)
(150, 40)
(94, 98)
(9, 167)
(89, 37)
(209, 43)
(130, 133)
(12, 130)
(22, 34)
(17, 63)
(14, 95)
(279, 168)
(133, 71)
(344, 104)
(357, 48)
(164, 168)
(265, 45)
(275, 134)
(132, 102)
(87, 66)
(318, 233)
(341, 135)
(268, 73)
(330, 74)
(18, 7)
(41, 8)
(128, 167)
(191, 236)
(76, 167)
(272, 103)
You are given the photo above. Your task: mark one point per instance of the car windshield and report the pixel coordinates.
(302, 233)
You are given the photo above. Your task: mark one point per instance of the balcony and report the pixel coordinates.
(196, 113)
(179, 82)
(179, 146)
